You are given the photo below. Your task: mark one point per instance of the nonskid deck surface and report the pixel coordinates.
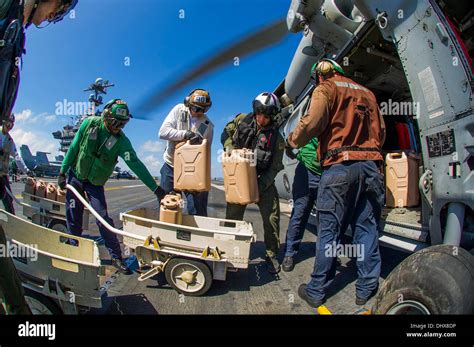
(410, 216)
(251, 291)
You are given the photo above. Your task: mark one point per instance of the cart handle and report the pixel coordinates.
(14, 197)
(89, 207)
(20, 202)
(100, 219)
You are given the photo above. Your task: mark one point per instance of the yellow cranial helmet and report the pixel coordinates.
(199, 98)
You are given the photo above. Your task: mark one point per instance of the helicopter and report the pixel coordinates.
(410, 53)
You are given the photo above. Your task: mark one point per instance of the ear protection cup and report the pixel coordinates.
(187, 98)
(108, 107)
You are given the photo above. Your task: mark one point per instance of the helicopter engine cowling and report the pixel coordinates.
(343, 13)
(322, 36)
(308, 52)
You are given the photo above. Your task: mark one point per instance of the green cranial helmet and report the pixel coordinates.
(324, 67)
(117, 109)
(116, 112)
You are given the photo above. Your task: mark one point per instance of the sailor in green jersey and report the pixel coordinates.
(89, 163)
(305, 191)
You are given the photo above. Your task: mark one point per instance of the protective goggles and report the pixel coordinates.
(267, 111)
(117, 123)
(199, 109)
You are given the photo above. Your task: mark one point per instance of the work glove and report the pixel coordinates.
(189, 134)
(192, 137)
(160, 194)
(62, 181)
(174, 192)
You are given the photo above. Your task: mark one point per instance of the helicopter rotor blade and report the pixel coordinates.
(265, 37)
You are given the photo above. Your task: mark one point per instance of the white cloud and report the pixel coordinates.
(23, 115)
(50, 118)
(152, 147)
(148, 155)
(28, 117)
(153, 164)
(36, 141)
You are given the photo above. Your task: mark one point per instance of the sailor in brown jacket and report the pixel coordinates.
(345, 118)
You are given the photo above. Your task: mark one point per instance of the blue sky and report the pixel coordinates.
(65, 58)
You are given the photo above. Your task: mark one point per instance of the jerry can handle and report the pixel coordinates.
(396, 155)
(188, 143)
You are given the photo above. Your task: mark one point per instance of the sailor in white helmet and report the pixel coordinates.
(258, 131)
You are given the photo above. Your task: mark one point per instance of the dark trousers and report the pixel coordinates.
(269, 206)
(305, 192)
(6, 199)
(351, 193)
(75, 211)
(11, 290)
(196, 202)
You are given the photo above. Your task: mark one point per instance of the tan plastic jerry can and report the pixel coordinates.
(30, 185)
(192, 167)
(240, 177)
(401, 175)
(170, 209)
(51, 191)
(41, 189)
(61, 195)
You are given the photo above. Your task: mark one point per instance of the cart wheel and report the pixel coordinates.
(187, 276)
(40, 304)
(58, 225)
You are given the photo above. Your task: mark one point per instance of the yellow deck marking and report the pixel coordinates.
(124, 187)
(323, 310)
